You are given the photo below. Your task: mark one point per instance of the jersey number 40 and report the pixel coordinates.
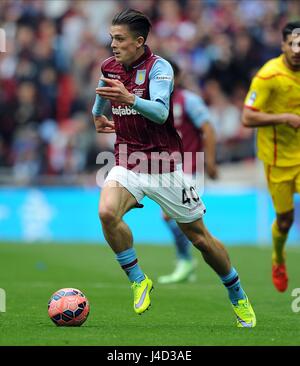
(188, 196)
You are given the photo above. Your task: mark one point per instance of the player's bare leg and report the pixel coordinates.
(216, 256)
(213, 252)
(280, 230)
(115, 201)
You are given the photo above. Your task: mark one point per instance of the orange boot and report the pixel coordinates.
(280, 277)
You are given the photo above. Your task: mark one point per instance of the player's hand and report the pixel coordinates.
(212, 170)
(115, 91)
(292, 120)
(103, 125)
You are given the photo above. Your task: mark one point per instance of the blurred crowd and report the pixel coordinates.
(54, 49)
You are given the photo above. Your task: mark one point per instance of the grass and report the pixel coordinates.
(196, 313)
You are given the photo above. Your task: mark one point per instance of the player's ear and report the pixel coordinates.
(140, 41)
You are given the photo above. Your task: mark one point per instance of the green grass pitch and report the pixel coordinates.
(196, 313)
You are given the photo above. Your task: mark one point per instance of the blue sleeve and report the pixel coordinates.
(161, 79)
(161, 83)
(196, 108)
(99, 104)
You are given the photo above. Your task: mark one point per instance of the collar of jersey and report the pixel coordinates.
(141, 59)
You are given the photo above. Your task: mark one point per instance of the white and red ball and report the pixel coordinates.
(68, 307)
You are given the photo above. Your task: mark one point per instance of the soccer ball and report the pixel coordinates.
(68, 307)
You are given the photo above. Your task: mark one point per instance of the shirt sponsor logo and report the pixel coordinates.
(113, 76)
(140, 77)
(164, 77)
(252, 98)
(123, 111)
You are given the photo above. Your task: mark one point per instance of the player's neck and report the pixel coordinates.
(289, 66)
(139, 54)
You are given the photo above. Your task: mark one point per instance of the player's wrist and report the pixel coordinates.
(281, 118)
(131, 100)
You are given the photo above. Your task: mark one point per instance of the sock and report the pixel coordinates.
(232, 283)
(279, 239)
(129, 263)
(182, 243)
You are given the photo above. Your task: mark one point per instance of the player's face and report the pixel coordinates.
(126, 47)
(291, 49)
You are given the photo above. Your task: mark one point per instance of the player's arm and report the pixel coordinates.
(256, 102)
(255, 118)
(200, 116)
(160, 88)
(161, 84)
(102, 124)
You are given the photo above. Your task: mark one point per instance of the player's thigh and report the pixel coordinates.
(177, 197)
(282, 196)
(121, 192)
(115, 201)
(127, 179)
(281, 185)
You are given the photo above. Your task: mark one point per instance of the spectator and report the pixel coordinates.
(51, 68)
(225, 117)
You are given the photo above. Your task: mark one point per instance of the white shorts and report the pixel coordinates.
(174, 192)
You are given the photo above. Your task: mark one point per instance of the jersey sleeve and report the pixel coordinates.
(161, 82)
(99, 103)
(196, 109)
(260, 91)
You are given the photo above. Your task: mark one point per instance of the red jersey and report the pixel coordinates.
(190, 134)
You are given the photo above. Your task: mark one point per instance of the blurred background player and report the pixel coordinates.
(192, 121)
(273, 105)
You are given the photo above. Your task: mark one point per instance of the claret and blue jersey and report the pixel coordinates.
(148, 126)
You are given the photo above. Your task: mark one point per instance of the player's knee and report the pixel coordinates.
(107, 216)
(285, 224)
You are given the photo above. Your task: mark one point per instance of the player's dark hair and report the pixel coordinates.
(289, 27)
(137, 22)
(175, 67)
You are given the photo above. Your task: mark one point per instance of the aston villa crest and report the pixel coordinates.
(140, 77)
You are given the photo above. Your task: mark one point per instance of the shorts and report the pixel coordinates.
(283, 182)
(173, 191)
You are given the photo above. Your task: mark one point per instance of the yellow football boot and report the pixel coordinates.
(141, 293)
(245, 316)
